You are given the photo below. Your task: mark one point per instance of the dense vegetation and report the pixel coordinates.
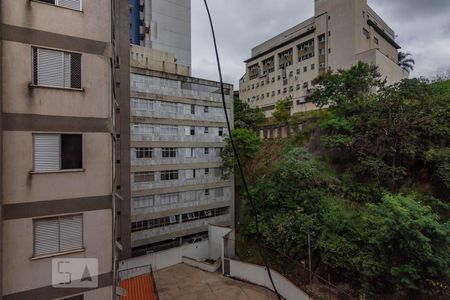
(368, 177)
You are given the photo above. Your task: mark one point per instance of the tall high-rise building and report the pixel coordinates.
(63, 80)
(178, 128)
(164, 25)
(341, 33)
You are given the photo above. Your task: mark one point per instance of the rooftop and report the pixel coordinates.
(184, 282)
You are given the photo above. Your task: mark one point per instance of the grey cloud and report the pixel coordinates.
(423, 28)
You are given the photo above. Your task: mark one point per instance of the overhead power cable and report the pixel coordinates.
(236, 155)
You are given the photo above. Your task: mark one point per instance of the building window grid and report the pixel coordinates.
(143, 153)
(169, 175)
(169, 152)
(143, 177)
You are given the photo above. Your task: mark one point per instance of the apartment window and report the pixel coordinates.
(329, 50)
(53, 152)
(298, 71)
(72, 4)
(329, 33)
(219, 192)
(285, 90)
(206, 109)
(141, 177)
(190, 174)
(207, 192)
(169, 107)
(206, 150)
(279, 92)
(322, 39)
(167, 199)
(305, 69)
(154, 223)
(305, 85)
(206, 171)
(273, 93)
(291, 88)
(58, 234)
(143, 129)
(297, 87)
(285, 81)
(375, 40)
(56, 68)
(169, 175)
(220, 131)
(206, 130)
(192, 109)
(291, 73)
(168, 130)
(322, 51)
(273, 79)
(143, 202)
(262, 96)
(313, 66)
(279, 77)
(189, 152)
(169, 152)
(262, 83)
(268, 94)
(142, 104)
(143, 153)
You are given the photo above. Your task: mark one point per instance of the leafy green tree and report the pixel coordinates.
(407, 248)
(282, 111)
(247, 117)
(247, 144)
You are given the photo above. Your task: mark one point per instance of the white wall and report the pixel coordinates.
(216, 235)
(258, 275)
(167, 258)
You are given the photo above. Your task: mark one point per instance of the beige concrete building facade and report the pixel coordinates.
(59, 98)
(341, 33)
(177, 131)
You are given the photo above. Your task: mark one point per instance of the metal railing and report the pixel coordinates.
(315, 285)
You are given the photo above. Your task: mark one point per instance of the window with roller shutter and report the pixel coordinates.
(57, 235)
(72, 4)
(54, 152)
(56, 68)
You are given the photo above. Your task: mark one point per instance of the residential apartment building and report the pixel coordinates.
(341, 33)
(60, 99)
(177, 132)
(164, 25)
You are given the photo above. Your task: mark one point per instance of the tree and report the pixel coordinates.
(334, 89)
(247, 144)
(408, 248)
(282, 111)
(247, 117)
(405, 61)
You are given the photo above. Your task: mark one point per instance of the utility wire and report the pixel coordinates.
(236, 155)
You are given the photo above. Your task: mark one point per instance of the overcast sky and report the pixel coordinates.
(422, 26)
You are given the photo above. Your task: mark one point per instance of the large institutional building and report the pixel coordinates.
(341, 33)
(177, 132)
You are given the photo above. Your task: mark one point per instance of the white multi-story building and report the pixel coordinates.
(341, 33)
(177, 131)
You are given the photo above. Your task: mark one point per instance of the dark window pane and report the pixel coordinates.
(75, 67)
(48, 1)
(71, 151)
(35, 66)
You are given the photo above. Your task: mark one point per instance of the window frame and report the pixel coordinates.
(34, 81)
(60, 169)
(57, 5)
(81, 249)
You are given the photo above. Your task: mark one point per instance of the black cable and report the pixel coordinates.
(235, 152)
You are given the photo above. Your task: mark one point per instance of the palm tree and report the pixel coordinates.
(405, 61)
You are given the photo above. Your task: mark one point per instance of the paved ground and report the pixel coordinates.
(188, 283)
